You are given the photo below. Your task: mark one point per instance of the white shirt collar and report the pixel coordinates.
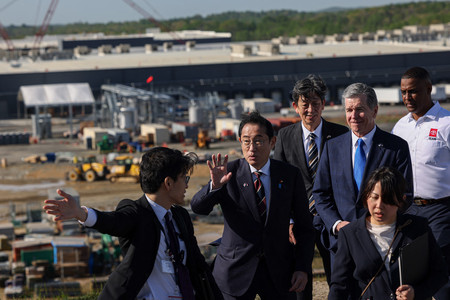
(317, 131)
(430, 114)
(367, 138)
(158, 209)
(265, 169)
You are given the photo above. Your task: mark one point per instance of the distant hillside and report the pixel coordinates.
(246, 26)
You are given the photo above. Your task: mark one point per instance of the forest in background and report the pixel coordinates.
(250, 26)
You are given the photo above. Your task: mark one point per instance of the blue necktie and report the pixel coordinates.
(360, 163)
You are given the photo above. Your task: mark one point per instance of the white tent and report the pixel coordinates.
(66, 94)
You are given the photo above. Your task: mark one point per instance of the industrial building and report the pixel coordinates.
(253, 70)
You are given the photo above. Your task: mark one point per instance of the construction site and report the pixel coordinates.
(78, 111)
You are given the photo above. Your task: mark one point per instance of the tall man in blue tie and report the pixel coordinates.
(258, 196)
(348, 160)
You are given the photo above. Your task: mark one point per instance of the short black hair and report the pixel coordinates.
(159, 163)
(255, 117)
(393, 186)
(310, 84)
(417, 73)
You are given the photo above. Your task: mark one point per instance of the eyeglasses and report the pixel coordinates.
(257, 143)
(186, 180)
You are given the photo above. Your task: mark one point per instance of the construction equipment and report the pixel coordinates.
(123, 167)
(203, 140)
(89, 170)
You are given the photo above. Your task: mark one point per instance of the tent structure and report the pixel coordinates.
(65, 94)
(49, 95)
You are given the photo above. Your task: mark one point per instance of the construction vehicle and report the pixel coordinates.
(88, 169)
(203, 140)
(123, 167)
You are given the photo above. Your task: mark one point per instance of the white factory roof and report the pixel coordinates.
(216, 54)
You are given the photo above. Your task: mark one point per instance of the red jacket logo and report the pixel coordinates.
(433, 132)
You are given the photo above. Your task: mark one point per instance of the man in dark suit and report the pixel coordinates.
(161, 258)
(300, 145)
(258, 196)
(348, 160)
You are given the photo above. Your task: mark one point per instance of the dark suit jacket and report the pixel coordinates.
(245, 236)
(335, 188)
(139, 232)
(358, 261)
(290, 148)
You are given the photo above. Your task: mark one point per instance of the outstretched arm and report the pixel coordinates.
(65, 209)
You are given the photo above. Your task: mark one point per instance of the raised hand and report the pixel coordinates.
(218, 171)
(65, 209)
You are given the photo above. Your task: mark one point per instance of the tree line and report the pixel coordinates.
(248, 26)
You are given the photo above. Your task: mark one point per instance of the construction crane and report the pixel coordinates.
(149, 17)
(43, 29)
(6, 38)
(3, 32)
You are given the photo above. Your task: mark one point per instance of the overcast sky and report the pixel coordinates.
(32, 12)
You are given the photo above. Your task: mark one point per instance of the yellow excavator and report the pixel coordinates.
(88, 169)
(123, 167)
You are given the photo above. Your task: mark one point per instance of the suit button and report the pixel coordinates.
(392, 296)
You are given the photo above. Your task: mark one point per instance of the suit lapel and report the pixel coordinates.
(276, 183)
(343, 156)
(326, 134)
(245, 184)
(143, 202)
(300, 155)
(367, 245)
(376, 153)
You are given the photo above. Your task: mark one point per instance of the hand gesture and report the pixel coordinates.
(65, 209)
(218, 171)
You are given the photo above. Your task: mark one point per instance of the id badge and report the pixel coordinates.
(177, 294)
(167, 267)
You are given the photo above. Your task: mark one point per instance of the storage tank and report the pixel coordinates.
(235, 108)
(196, 114)
(126, 118)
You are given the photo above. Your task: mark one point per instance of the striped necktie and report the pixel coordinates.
(260, 195)
(313, 161)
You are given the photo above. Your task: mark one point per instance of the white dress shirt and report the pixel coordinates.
(161, 282)
(429, 145)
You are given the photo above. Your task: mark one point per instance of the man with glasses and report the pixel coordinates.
(258, 196)
(161, 259)
(301, 144)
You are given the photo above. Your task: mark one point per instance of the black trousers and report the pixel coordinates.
(262, 285)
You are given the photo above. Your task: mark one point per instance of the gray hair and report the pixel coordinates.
(358, 89)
